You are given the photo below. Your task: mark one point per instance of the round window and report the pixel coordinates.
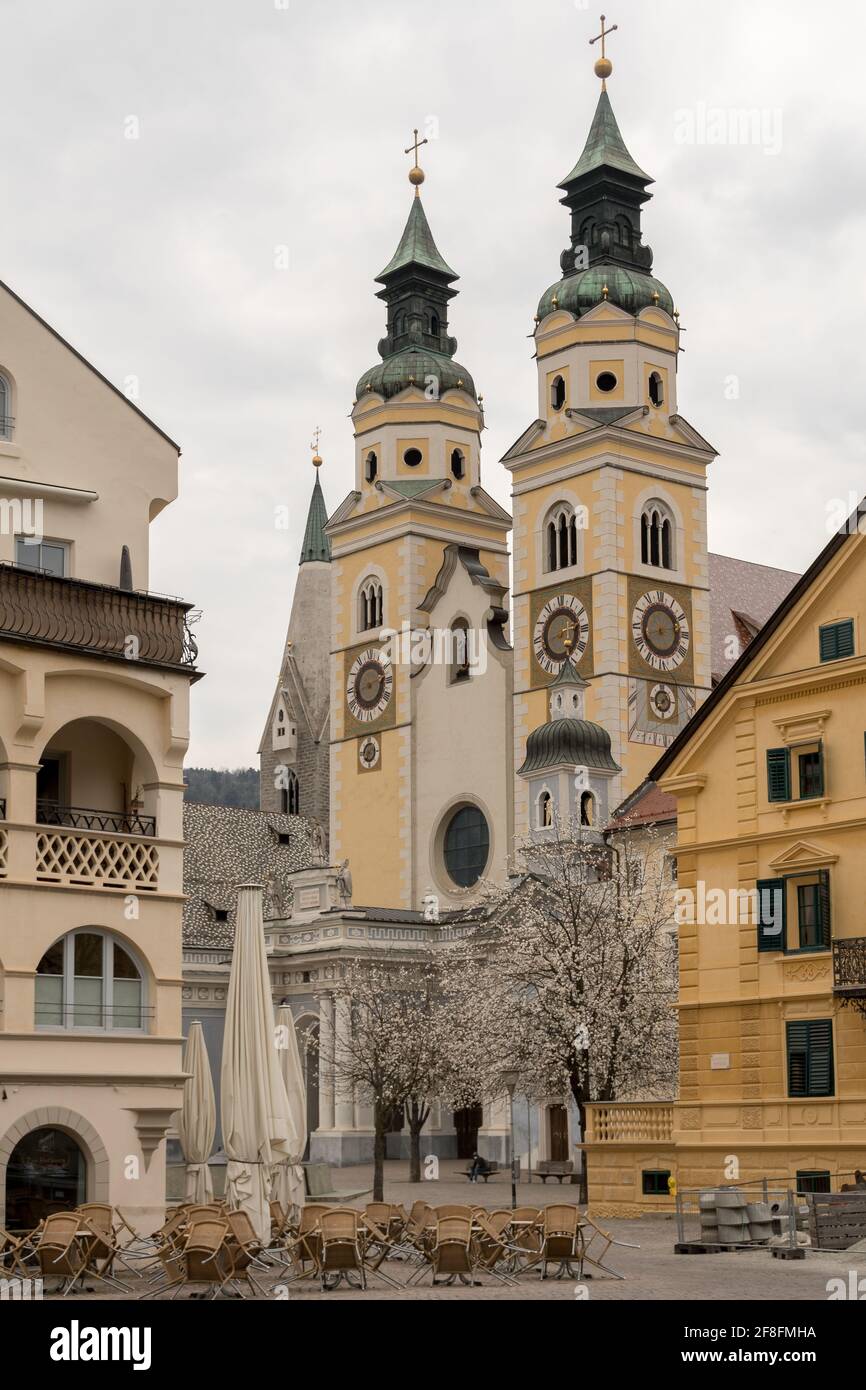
(412, 458)
(606, 381)
(467, 846)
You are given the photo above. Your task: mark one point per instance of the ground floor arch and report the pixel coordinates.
(50, 1160)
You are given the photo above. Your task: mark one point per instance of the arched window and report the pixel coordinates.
(545, 810)
(6, 421)
(399, 324)
(657, 536)
(587, 809)
(371, 467)
(87, 979)
(461, 669)
(434, 325)
(561, 538)
(557, 393)
(458, 463)
(656, 389)
(290, 795)
(370, 606)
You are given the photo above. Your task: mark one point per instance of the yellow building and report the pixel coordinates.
(94, 695)
(770, 790)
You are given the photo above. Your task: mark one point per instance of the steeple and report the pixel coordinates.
(417, 284)
(316, 545)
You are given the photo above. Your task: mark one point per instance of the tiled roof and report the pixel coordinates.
(742, 597)
(647, 805)
(228, 845)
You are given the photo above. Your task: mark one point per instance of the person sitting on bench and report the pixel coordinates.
(477, 1167)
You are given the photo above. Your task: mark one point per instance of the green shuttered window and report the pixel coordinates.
(810, 1057)
(771, 914)
(836, 640)
(778, 774)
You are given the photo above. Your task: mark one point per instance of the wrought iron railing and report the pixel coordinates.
(85, 818)
(128, 624)
(7, 427)
(2, 808)
(849, 966)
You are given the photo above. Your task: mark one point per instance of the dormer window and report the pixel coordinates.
(371, 467)
(458, 464)
(557, 393)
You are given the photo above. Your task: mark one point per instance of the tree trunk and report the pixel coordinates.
(579, 1093)
(417, 1119)
(379, 1156)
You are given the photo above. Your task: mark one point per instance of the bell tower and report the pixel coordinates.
(421, 669)
(609, 482)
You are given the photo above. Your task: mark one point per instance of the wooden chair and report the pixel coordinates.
(525, 1237)
(244, 1249)
(561, 1241)
(97, 1221)
(492, 1244)
(14, 1250)
(443, 1213)
(600, 1237)
(205, 1258)
(340, 1247)
(60, 1253)
(451, 1256)
(304, 1248)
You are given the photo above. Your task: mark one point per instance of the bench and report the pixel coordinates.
(559, 1168)
(319, 1182)
(491, 1167)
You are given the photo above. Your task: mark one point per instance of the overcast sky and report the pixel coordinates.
(281, 123)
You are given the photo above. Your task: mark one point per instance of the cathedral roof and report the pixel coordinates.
(316, 545)
(416, 248)
(573, 741)
(604, 147)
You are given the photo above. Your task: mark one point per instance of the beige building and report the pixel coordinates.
(94, 693)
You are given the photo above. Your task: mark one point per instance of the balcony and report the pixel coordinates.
(85, 818)
(630, 1122)
(849, 970)
(74, 614)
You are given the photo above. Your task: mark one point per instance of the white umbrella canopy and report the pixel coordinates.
(288, 1176)
(257, 1124)
(197, 1120)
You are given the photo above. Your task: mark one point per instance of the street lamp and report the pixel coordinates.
(509, 1081)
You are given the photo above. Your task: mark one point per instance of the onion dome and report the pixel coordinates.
(575, 742)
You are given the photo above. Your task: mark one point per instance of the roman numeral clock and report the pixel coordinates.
(661, 648)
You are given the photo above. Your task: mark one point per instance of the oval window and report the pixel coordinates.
(605, 381)
(412, 458)
(467, 846)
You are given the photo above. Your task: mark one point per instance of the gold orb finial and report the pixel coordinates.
(416, 173)
(603, 66)
(605, 291)
(317, 458)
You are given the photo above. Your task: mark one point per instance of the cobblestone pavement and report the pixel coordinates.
(652, 1272)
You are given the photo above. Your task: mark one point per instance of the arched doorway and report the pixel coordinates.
(467, 1123)
(46, 1172)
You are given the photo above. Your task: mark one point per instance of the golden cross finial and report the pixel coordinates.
(603, 65)
(416, 173)
(317, 434)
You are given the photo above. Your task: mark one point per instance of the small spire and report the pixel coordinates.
(416, 173)
(603, 65)
(317, 459)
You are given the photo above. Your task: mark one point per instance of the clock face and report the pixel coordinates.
(661, 630)
(368, 753)
(369, 686)
(663, 701)
(562, 619)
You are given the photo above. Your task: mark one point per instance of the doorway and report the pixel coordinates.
(557, 1123)
(46, 1173)
(467, 1123)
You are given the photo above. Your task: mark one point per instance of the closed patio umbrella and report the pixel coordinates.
(288, 1176)
(197, 1119)
(257, 1124)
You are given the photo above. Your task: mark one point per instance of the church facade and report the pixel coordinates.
(481, 669)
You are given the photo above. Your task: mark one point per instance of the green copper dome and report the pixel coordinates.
(631, 290)
(413, 367)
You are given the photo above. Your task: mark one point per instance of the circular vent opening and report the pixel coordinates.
(412, 458)
(606, 381)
